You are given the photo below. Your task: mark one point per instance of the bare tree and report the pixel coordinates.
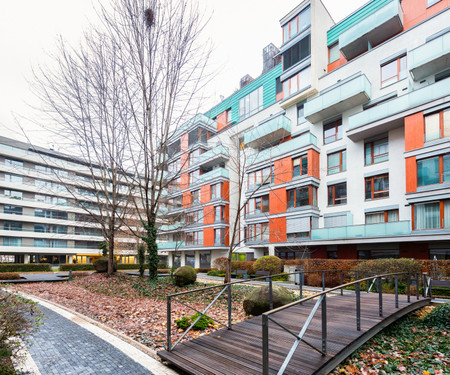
(164, 64)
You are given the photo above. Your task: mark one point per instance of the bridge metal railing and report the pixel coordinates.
(322, 303)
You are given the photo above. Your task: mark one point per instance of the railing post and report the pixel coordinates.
(302, 280)
(358, 306)
(342, 282)
(270, 294)
(229, 306)
(380, 296)
(396, 291)
(324, 324)
(323, 280)
(417, 286)
(265, 344)
(424, 281)
(169, 324)
(367, 282)
(408, 287)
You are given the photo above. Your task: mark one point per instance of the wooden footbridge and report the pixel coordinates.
(309, 336)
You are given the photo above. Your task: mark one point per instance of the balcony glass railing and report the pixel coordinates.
(170, 245)
(269, 131)
(220, 152)
(400, 228)
(215, 173)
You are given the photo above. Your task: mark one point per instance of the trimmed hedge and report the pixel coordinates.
(28, 267)
(242, 265)
(76, 267)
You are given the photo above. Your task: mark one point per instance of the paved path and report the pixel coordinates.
(38, 278)
(67, 344)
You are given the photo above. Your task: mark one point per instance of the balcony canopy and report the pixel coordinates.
(268, 131)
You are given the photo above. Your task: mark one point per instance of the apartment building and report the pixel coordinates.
(344, 144)
(41, 218)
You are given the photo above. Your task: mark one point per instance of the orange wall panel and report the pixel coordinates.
(205, 193)
(226, 190)
(313, 163)
(337, 63)
(208, 237)
(208, 214)
(347, 251)
(186, 199)
(415, 11)
(283, 170)
(184, 160)
(184, 183)
(221, 120)
(226, 213)
(277, 201)
(411, 174)
(277, 229)
(414, 131)
(184, 141)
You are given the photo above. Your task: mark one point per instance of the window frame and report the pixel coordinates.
(342, 166)
(265, 179)
(291, 196)
(442, 216)
(337, 125)
(386, 216)
(263, 232)
(246, 100)
(221, 210)
(260, 201)
(302, 169)
(374, 156)
(217, 188)
(372, 179)
(442, 133)
(398, 62)
(337, 201)
(221, 236)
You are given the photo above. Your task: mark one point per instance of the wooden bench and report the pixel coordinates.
(244, 274)
(263, 273)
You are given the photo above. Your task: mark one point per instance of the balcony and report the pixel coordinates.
(394, 229)
(306, 139)
(430, 58)
(215, 173)
(217, 155)
(371, 29)
(198, 119)
(170, 245)
(390, 114)
(268, 131)
(338, 98)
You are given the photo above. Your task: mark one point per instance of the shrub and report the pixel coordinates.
(160, 265)
(185, 275)
(438, 317)
(202, 270)
(76, 267)
(213, 273)
(282, 277)
(101, 265)
(9, 276)
(242, 265)
(128, 266)
(204, 322)
(25, 267)
(18, 318)
(221, 263)
(390, 265)
(164, 270)
(269, 263)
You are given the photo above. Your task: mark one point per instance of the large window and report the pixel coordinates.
(260, 177)
(12, 241)
(14, 210)
(257, 232)
(42, 242)
(198, 135)
(195, 217)
(51, 199)
(14, 163)
(195, 155)
(251, 103)
(12, 225)
(337, 162)
(13, 194)
(13, 178)
(219, 236)
(194, 177)
(337, 194)
(297, 24)
(175, 203)
(301, 113)
(302, 196)
(437, 125)
(62, 229)
(300, 166)
(393, 71)
(258, 205)
(376, 151)
(297, 52)
(377, 186)
(434, 215)
(297, 82)
(174, 167)
(334, 53)
(216, 191)
(194, 238)
(332, 131)
(219, 214)
(195, 197)
(387, 216)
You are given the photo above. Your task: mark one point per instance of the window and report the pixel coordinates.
(50, 199)
(216, 191)
(194, 238)
(300, 166)
(194, 177)
(50, 214)
(337, 162)
(291, 236)
(198, 135)
(14, 210)
(174, 167)
(41, 242)
(257, 232)
(297, 24)
(195, 197)
(219, 236)
(437, 125)
(434, 215)
(219, 214)
(393, 71)
(377, 186)
(297, 82)
(175, 185)
(251, 103)
(332, 131)
(376, 151)
(260, 177)
(337, 194)
(300, 113)
(432, 2)
(12, 225)
(194, 156)
(12, 241)
(258, 205)
(195, 217)
(435, 170)
(13, 194)
(387, 216)
(302, 196)
(228, 115)
(297, 53)
(175, 203)
(334, 53)
(13, 178)
(14, 163)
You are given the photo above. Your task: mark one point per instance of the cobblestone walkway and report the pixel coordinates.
(61, 347)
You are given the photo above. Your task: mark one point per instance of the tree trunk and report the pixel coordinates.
(111, 255)
(228, 270)
(152, 249)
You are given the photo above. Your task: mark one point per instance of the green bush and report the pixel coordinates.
(269, 263)
(439, 317)
(388, 265)
(282, 277)
(25, 267)
(202, 270)
(184, 275)
(204, 322)
(242, 265)
(128, 266)
(213, 273)
(101, 265)
(9, 276)
(76, 267)
(160, 265)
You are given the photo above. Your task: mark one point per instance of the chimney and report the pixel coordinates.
(245, 80)
(271, 57)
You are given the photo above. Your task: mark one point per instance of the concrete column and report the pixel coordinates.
(183, 259)
(26, 258)
(258, 253)
(197, 259)
(70, 259)
(170, 260)
(271, 249)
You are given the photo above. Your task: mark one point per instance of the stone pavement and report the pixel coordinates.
(38, 278)
(67, 344)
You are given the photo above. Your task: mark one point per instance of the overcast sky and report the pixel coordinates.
(238, 29)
